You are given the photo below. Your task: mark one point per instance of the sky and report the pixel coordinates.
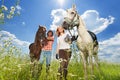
(101, 17)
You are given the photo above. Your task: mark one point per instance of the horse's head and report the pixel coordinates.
(71, 19)
(42, 33)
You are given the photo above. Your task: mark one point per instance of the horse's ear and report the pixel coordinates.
(74, 7)
(39, 26)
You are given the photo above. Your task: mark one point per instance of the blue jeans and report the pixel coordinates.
(45, 55)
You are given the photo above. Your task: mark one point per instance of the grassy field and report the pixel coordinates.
(14, 66)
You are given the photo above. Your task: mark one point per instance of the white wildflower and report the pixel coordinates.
(60, 60)
(11, 12)
(1, 15)
(18, 65)
(18, 7)
(4, 68)
(72, 75)
(4, 7)
(18, 12)
(58, 73)
(9, 16)
(12, 8)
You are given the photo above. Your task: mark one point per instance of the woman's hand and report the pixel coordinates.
(57, 56)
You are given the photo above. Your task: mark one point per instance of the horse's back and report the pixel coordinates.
(94, 37)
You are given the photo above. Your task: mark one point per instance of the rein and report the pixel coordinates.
(72, 23)
(70, 32)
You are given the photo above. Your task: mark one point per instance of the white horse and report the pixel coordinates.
(86, 41)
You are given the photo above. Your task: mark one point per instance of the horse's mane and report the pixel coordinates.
(37, 41)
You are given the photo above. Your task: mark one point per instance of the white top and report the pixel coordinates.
(62, 43)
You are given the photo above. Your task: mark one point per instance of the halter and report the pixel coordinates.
(73, 22)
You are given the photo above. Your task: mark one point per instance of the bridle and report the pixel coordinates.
(42, 36)
(72, 22)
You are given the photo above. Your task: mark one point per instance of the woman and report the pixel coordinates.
(47, 50)
(63, 51)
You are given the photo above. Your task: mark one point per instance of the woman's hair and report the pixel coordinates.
(50, 31)
(57, 31)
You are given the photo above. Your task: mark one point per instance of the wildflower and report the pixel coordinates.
(12, 8)
(19, 66)
(4, 68)
(60, 60)
(11, 12)
(72, 75)
(58, 73)
(1, 15)
(9, 16)
(4, 7)
(18, 7)
(18, 12)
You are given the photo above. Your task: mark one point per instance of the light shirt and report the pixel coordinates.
(62, 43)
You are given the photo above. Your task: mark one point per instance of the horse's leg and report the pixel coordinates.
(91, 64)
(84, 61)
(97, 63)
(96, 57)
(90, 53)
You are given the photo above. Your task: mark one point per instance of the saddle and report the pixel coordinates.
(92, 35)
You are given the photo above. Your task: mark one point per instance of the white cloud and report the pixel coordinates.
(58, 16)
(96, 23)
(4, 35)
(91, 18)
(110, 49)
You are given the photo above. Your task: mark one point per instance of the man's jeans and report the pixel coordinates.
(45, 55)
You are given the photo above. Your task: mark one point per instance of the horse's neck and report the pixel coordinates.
(81, 28)
(37, 39)
(82, 31)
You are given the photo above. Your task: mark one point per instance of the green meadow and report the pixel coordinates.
(16, 66)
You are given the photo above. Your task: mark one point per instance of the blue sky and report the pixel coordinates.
(44, 12)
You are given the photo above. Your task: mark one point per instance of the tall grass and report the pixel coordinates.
(15, 66)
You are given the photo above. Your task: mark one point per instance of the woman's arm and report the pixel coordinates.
(50, 38)
(57, 50)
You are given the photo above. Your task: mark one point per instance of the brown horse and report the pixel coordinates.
(35, 48)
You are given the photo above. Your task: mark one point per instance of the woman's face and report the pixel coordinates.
(60, 29)
(50, 34)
